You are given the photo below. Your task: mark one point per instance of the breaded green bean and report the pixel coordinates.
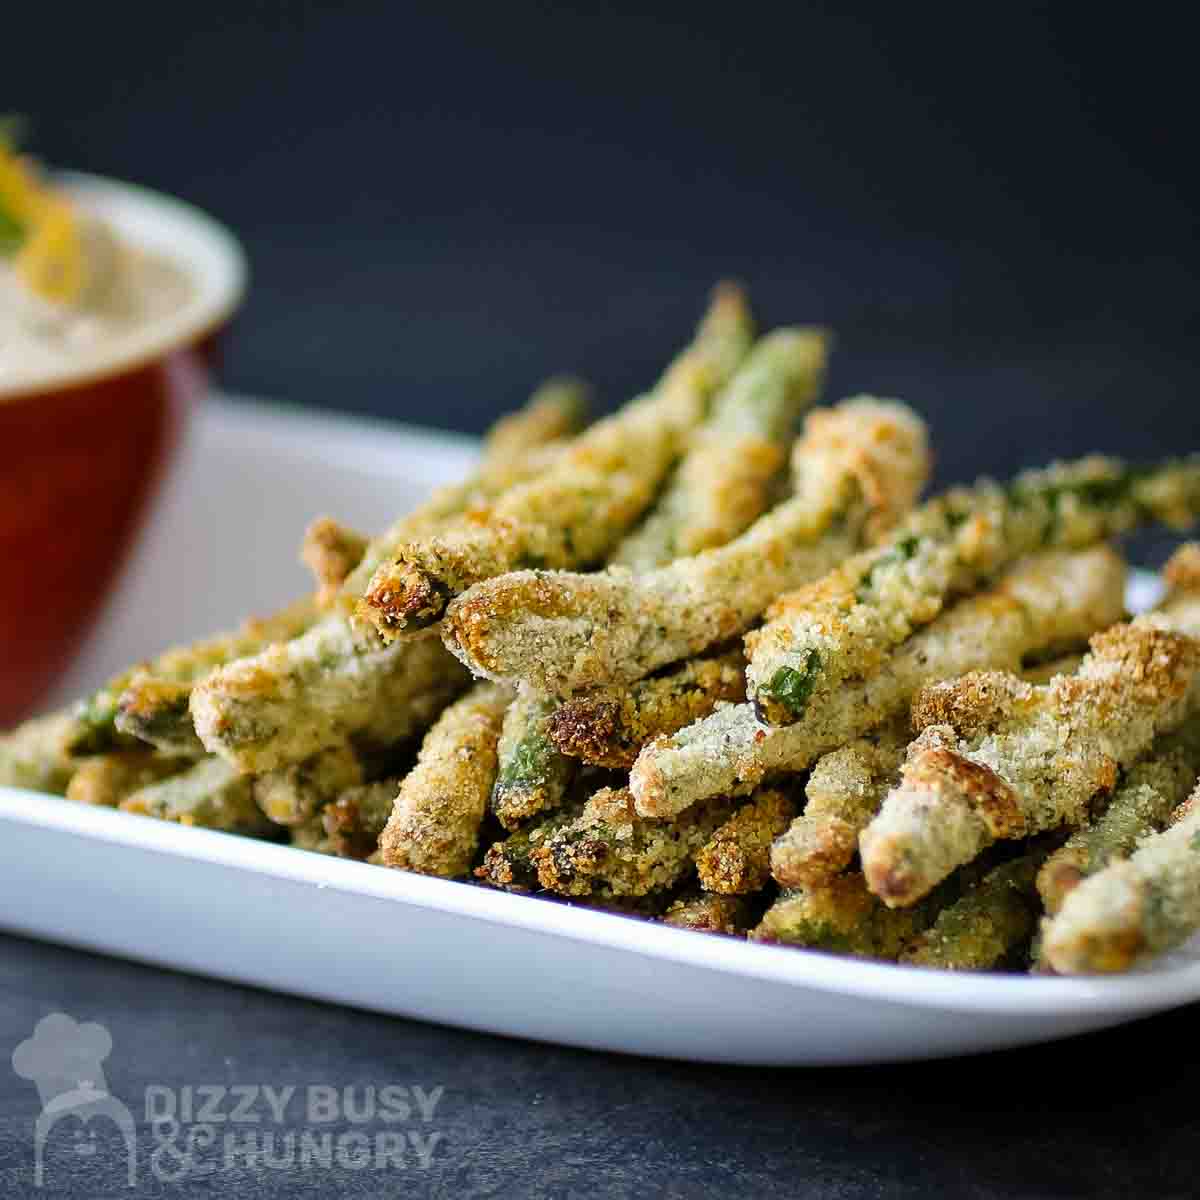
(533, 775)
(579, 508)
(324, 689)
(991, 921)
(999, 758)
(184, 665)
(331, 551)
(332, 685)
(841, 917)
(846, 627)
(609, 729)
(857, 467)
(706, 912)
(354, 821)
(210, 794)
(608, 850)
(311, 835)
(724, 481)
(434, 825)
(1181, 605)
(295, 794)
(106, 779)
(36, 755)
(844, 790)
(1182, 573)
(1134, 909)
(557, 410)
(519, 447)
(508, 864)
(1047, 598)
(1149, 792)
(156, 712)
(736, 860)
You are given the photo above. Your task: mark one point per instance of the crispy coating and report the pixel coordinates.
(845, 627)
(1134, 909)
(1046, 598)
(576, 511)
(609, 729)
(533, 774)
(331, 550)
(323, 689)
(844, 790)
(1149, 792)
(988, 924)
(184, 665)
(353, 822)
(736, 859)
(519, 447)
(841, 917)
(36, 755)
(295, 794)
(609, 850)
(156, 712)
(1182, 572)
(963, 787)
(210, 794)
(564, 633)
(509, 864)
(724, 481)
(106, 779)
(880, 447)
(434, 825)
(975, 703)
(1181, 606)
(706, 912)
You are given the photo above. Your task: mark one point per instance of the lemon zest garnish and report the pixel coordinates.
(50, 260)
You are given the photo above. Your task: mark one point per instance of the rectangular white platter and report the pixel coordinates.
(221, 543)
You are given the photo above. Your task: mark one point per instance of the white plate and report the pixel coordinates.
(438, 950)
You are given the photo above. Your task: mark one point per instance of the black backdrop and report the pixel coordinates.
(992, 205)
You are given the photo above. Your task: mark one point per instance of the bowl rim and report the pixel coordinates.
(208, 252)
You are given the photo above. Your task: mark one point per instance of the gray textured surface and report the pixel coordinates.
(1110, 1115)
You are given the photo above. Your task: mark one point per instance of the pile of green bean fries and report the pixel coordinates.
(710, 661)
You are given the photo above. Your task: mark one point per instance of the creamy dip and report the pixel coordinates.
(128, 289)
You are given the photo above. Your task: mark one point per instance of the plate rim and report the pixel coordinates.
(913, 987)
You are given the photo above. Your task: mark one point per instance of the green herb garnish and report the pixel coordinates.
(12, 234)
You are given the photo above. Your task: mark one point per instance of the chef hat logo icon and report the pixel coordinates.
(65, 1059)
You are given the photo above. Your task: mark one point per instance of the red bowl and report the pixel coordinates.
(82, 450)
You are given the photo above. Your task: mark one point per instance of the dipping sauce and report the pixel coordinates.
(72, 293)
(38, 337)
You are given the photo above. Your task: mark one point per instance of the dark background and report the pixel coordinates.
(993, 206)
